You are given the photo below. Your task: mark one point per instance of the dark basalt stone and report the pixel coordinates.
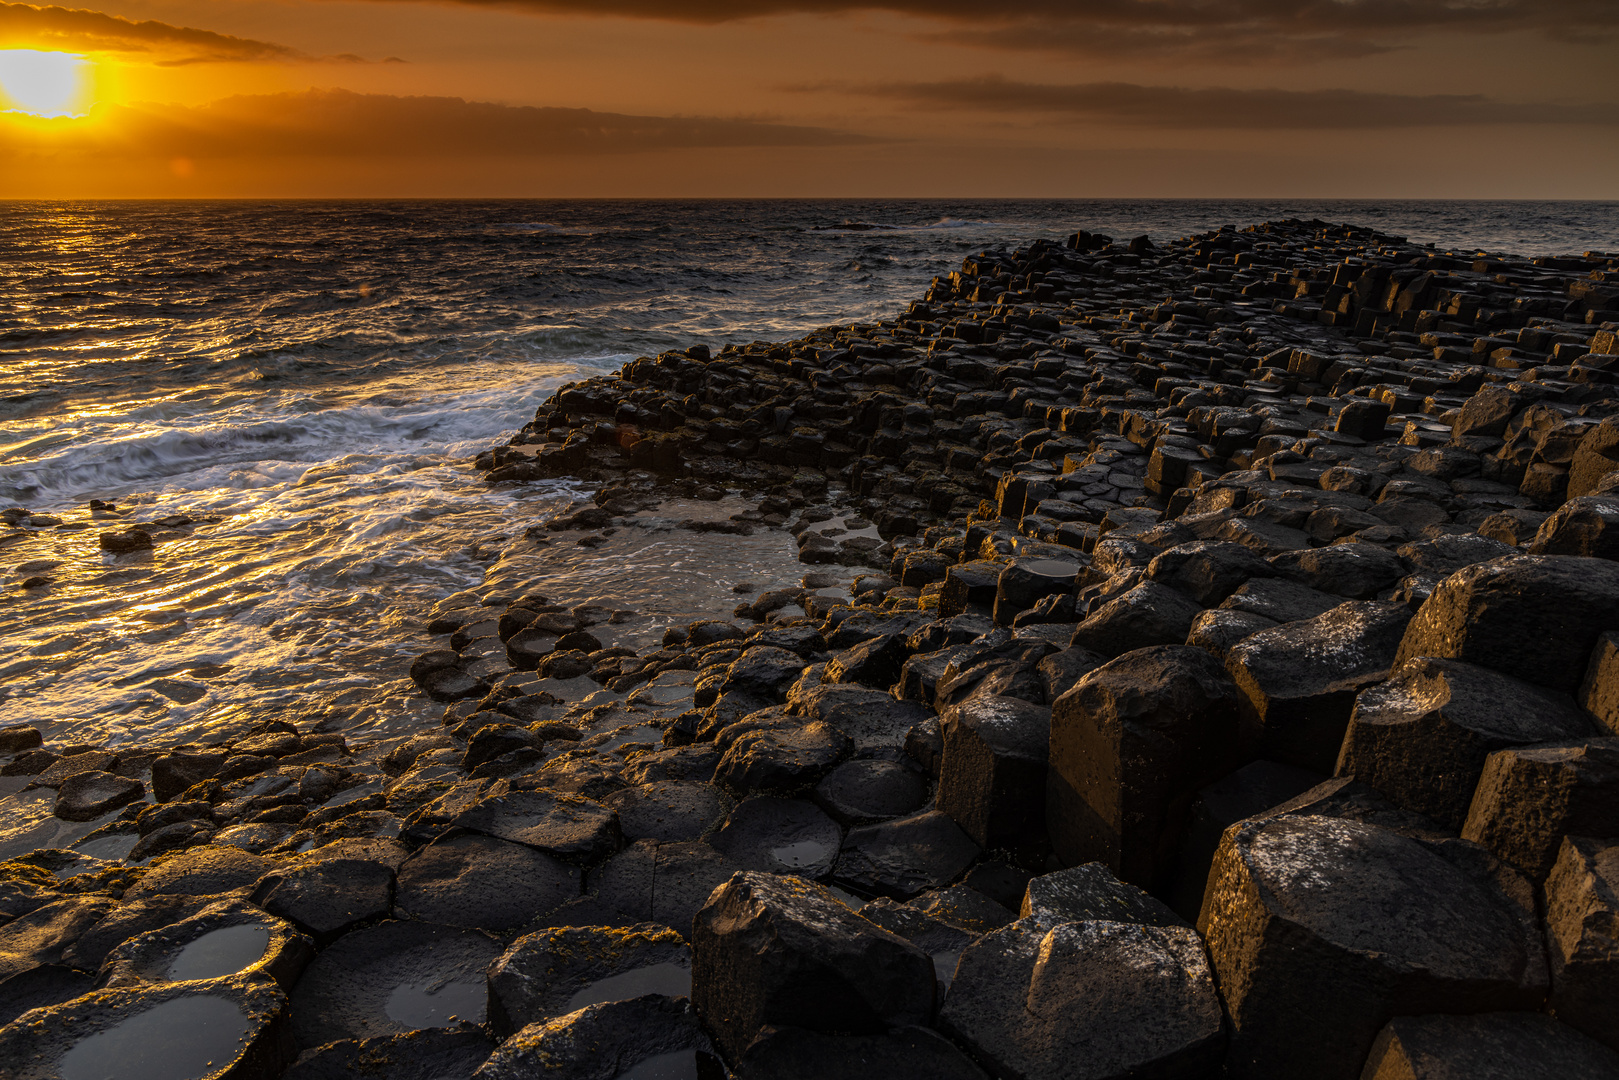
(86, 796)
(1149, 614)
(907, 1053)
(390, 979)
(565, 826)
(648, 1037)
(1087, 999)
(904, 857)
(664, 883)
(992, 778)
(668, 810)
(865, 791)
(1491, 1046)
(224, 940)
(129, 919)
(474, 881)
(433, 1054)
(225, 1028)
(782, 758)
(780, 836)
(1529, 797)
(554, 972)
(40, 988)
(1319, 927)
(1422, 737)
(203, 871)
(767, 949)
(329, 898)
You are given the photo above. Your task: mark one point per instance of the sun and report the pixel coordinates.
(42, 83)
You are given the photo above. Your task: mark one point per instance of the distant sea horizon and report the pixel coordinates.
(318, 373)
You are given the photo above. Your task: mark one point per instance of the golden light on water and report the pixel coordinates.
(43, 83)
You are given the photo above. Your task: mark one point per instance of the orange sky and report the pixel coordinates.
(1263, 98)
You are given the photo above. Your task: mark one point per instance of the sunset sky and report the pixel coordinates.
(1218, 98)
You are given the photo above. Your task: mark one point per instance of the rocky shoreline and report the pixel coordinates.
(1207, 664)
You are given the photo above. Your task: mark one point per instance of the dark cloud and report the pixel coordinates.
(1221, 108)
(337, 123)
(1239, 31)
(25, 26)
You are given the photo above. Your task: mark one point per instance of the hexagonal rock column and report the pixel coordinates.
(1086, 1001)
(1534, 617)
(1530, 797)
(1422, 737)
(648, 1036)
(1300, 679)
(1320, 928)
(1582, 929)
(1025, 581)
(1130, 744)
(770, 950)
(1491, 1046)
(992, 781)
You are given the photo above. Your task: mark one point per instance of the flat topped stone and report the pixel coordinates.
(328, 897)
(1088, 893)
(904, 857)
(1317, 926)
(211, 1031)
(648, 1038)
(477, 881)
(781, 836)
(392, 978)
(553, 972)
(567, 826)
(203, 871)
(667, 810)
(227, 939)
(1491, 1046)
(416, 1055)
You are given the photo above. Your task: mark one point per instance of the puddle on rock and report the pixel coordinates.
(220, 952)
(180, 1039)
(438, 1004)
(666, 978)
(680, 1065)
(803, 853)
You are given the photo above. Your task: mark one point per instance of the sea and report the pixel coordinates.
(308, 382)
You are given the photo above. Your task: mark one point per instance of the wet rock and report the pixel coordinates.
(1023, 582)
(86, 796)
(227, 939)
(43, 935)
(667, 810)
(693, 763)
(770, 950)
(1281, 599)
(780, 836)
(763, 672)
(174, 773)
(904, 857)
(131, 918)
(907, 1053)
(969, 585)
(1491, 1046)
(1534, 617)
(418, 1055)
(992, 778)
(648, 1037)
(393, 978)
(964, 908)
(329, 898)
(475, 881)
(124, 541)
(1149, 614)
(40, 988)
(1062, 669)
(496, 739)
(1422, 737)
(1299, 680)
(664, 883)
(554, 972)
(226, 1028)
(1130, 744)
(875, 724)
(565, 826)
(202, 871)
(1086, 999)
(865, 791)
(69, 765)
(782, 758)
(1318, 928)
(875, 662)
(1444, 555)
(19, 737)
(171, 838)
